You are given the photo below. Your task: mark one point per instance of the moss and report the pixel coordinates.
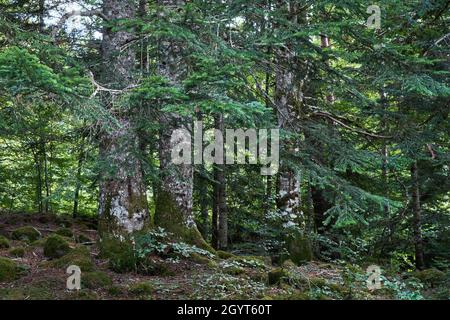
(83, 295)
(169, 217)
(95, 280)
(65, 232)
(431, 277)
(82, 239)
(276, 276)
(289, 264)
(199, 259)
(9, 270)
(234, 271)
(114, 291)
(18, 252)
(154, 268)
(224, 255)
(299, 248)
(80, 256)
(4, 243)
(141, 289)
(40, 290)
(120, 254)
(297, 295)
(56, 247)
(27, 233)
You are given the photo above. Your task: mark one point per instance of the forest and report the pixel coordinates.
(224, 150)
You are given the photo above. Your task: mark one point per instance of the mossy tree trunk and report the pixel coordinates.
(174, 200)
(123, 202)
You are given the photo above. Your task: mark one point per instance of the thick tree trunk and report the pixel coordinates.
(123, 201)
(417, 217)
(288, 99)
(174, 201)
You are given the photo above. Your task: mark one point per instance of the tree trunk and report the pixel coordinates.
(417, 217)
(174, 202)
(123, 201)
(288, 99)
(222, 235)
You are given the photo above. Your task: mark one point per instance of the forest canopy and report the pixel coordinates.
(92, 92)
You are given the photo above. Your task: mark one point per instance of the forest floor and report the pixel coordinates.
(231, 277)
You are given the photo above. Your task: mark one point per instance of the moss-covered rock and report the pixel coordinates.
(65, 232)
(80, 256)
(120, 254)
(17, 252)
(9, 270)
(39, 290)
(199, 259)
(27, 233)
(95, 280)
(234, 270)
(142, 290)
(430, 277)
(276, 276)
(56, 247)
(224, 255)
(299, 248)
(4, 243)
(157, 268)
(81, 238)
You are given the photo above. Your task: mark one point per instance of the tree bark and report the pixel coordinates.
(221, 201)
(123, 205)
(417, 217)
(174, 202)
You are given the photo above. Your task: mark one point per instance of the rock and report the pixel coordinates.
(80, 256)
(299, 248)
(95, 280)
(224, 255)
(18, 252)
(4, 243)
(56, 247)
(27, 233)
(431, 277)
(9, 270)
(120, 254)
(82, 239)
(276, 276)
(65, 232)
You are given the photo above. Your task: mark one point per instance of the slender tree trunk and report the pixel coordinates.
(174, 203)
(46, 178)
(37, 162)
(215, 212)
(417, 217)
(78, 182)
(222, 238)
(123, 201)
(203, 194)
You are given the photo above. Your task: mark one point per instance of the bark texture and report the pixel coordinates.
(123, 205)
(174, 201)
